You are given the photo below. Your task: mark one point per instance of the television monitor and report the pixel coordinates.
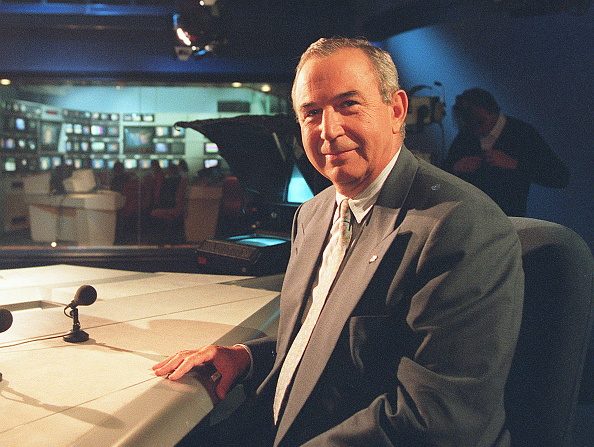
(163, 162)
(97, 146)
(112, 147)
(211, 148)
(68, 128)
(49, 137)
(20, 124)
(162, 131)
(111, 163)
(257, 241)
(56, 161)
(130, 163)
(45, 163)
(161, 148)
(68, 146)
(10, 165)
(22, 144)
(178, 132)
(77, 129)
(98, 163)
(104, 116)
(177, 148)
(95, 115)
(298, 191)
(23, 164)
(69, 162)
(138, 139)
(86, 130)
(144, 163)
(114, 116)
(31, 145)
(78, 163)
(211, 163)
(8, 143)
(148, 118)
(84, 146)
(113, 131)
(97, 130)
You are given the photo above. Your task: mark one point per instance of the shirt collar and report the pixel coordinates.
(364, 201)
(488, 140)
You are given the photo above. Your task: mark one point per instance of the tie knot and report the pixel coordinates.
(344, 221)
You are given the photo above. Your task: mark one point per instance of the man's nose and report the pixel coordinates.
(331, 125)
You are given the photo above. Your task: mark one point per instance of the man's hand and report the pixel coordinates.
(500, 159)
(230, 361)
(467, 164)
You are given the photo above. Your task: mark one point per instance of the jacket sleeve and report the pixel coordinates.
(465, 310)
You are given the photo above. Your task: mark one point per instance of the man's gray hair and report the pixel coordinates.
(381, 61)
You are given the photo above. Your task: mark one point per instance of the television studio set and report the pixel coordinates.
(172, 182)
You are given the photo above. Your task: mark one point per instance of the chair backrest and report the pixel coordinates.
(543, 386)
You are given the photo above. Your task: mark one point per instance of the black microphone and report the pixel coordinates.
(5, 323)
(5, 319)
(84, 296)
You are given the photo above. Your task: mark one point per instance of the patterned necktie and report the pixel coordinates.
(331, 260)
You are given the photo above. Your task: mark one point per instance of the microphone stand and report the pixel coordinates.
(76, 335)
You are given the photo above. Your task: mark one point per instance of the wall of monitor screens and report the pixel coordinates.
(38, 137)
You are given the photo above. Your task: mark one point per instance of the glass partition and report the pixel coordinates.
(102, 164)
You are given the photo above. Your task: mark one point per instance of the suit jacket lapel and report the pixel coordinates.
(309, 243)
(366, 255)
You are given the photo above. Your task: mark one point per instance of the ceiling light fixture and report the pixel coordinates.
(197, 27)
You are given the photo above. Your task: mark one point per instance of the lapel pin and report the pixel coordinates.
(373, 259)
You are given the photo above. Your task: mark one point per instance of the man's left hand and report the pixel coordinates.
(500, 159)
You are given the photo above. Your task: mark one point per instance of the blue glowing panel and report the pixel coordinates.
(298, 190)
(257, 241)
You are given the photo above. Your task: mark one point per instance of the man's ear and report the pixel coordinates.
(399, 109)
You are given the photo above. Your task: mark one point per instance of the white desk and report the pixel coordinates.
(87, 219)
(103, 392)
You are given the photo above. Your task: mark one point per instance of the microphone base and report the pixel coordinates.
(76, 336)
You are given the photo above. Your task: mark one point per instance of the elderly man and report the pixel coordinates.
(402, 300)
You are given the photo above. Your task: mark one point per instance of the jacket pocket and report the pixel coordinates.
(374, 347)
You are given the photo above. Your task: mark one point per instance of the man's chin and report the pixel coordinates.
(346, 183)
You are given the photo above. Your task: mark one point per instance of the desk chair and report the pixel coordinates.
(544, 382)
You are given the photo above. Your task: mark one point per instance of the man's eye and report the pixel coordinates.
(349, 103)
(311, 113)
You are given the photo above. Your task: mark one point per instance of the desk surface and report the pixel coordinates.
(103, 392)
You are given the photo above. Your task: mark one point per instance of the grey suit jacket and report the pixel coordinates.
(415, 341)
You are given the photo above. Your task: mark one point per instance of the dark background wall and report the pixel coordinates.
(540, 69)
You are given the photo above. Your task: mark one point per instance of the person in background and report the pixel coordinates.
(402, 300)
(500, 154)
(127, 184)
(169, 212)
(151, 186)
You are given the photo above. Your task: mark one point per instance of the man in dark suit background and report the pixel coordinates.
(500, 154)
(418, 328)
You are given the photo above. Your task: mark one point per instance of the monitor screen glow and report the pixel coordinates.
(138, 139)
(49, 136)
(211, 148)
(210, 163)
